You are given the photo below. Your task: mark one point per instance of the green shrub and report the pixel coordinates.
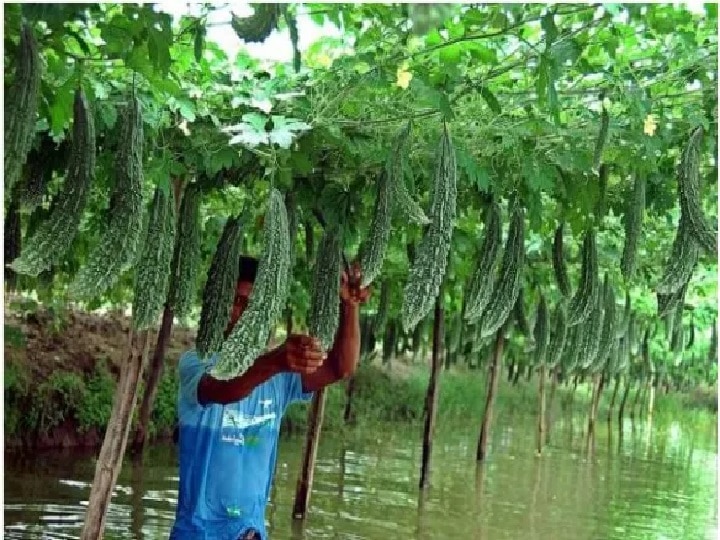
(164, 414)
(95, 409)
(60, 397)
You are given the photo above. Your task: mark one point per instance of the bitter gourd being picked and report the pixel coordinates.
(249, 337)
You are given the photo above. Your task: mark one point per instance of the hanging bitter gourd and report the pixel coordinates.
(373, 252)
(690, 199)
(428, 268)
(250, 335)
(558, 259)
(668, 302)
(633, 226)
(691, 335)
(383, 306)
(557, 338)
(259, 25)
(42, 161)
(309, 242)
(632, 333)
(607, 337)
(325, 302)
(682, 260)
(541, 332)
(391, 193)
(186, 256)
(118, 245)
(480, 287)
(12, 241)
(571, 351)
(622, 325)
(713, 349)
(602, 138)
(54, 236)
(582, 304)
(152, 272)
(602, 187)
(521, 321)
(593, 330)
(677, 333)
(395, 169)
(292, 217)
(509, 279)
(21, 102)
(219, 290)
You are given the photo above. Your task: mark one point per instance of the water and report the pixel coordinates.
(656, 482)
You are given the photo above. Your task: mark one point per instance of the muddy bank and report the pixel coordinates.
(60, 371)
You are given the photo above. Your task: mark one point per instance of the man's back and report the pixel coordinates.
(227, 454)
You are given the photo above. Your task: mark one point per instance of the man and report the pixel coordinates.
(229, 429)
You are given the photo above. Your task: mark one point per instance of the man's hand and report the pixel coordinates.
(350, 290)
(301, 354)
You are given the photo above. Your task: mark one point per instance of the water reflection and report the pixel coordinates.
(643, 480)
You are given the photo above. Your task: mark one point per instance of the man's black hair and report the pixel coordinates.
(247, 269)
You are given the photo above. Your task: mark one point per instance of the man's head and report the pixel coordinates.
(247, 270)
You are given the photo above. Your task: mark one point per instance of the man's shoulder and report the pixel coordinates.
(191, 358)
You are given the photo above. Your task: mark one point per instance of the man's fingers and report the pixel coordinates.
(313, 357)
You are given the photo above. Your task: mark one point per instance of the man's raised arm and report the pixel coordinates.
(299, 354)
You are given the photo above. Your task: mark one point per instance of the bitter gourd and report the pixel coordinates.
(602, 186)
(373, 252)
(292, 218)
(258, 26)
(54, 236)
(591, 334)
(186, 256)
(561, 277)
(602, 138)
(383, 306)
(557, 338)
(250, 335)
(118, 245)
(622, 326)
(42, 161)
(508, 282)
(21, 102)
(689, 190)
(395, 169)
(481, 283)
(219, 290)
(428, 268)
(325, 302)
(607, 337)
(633, 225)
(682, 260)
(713, 349)
(582, 304)
(152, 272)
(391, 193)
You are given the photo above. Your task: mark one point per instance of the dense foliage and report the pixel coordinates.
(558, 114)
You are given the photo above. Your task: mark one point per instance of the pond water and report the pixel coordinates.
(637, 482)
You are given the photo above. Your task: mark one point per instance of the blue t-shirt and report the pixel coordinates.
(227, 454)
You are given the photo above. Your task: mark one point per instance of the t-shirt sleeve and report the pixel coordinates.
(291, 386)
(191, 369)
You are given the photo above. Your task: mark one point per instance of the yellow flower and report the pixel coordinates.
(650, 125)
(403, 77)
(324, 60)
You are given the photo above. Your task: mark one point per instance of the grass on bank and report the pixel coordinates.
(381, 395)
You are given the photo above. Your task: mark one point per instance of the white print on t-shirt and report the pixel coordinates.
(233, 422)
